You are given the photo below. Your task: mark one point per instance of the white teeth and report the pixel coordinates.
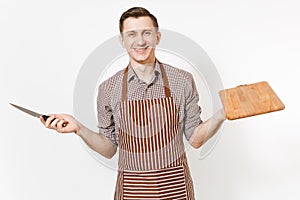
(140, 48)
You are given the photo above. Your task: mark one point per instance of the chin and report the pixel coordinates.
(143, 58)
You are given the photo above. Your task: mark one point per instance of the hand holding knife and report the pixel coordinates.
(35, 114)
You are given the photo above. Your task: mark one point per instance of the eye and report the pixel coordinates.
(131, 34)
(147, 33)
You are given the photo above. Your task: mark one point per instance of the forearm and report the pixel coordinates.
(207, 129)
(97, 142)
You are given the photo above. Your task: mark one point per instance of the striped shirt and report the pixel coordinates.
(183, 90)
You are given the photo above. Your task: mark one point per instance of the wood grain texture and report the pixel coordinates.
(249, 100)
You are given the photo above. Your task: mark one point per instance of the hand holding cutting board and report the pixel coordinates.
(249, 100)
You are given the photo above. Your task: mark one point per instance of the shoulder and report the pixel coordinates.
(178, 75)
(112, 81)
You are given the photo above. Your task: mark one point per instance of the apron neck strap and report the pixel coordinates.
(164, 76)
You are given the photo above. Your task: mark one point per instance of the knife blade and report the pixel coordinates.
(32, 113)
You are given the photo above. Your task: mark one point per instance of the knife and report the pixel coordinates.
(34, 114)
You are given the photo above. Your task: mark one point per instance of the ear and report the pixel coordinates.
(158, 36)
(121, 40)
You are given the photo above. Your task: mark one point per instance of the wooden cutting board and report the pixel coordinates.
(249, 100)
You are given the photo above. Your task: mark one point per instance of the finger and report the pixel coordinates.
(42, 120)
(54, 122)
(49, 121)
(66, 118)
(61, 124)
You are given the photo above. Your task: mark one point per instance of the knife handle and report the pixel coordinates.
(45, 117)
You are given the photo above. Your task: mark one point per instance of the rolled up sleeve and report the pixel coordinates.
(106, 122)
(192, 110)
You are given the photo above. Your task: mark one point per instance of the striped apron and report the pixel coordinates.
(152, 162)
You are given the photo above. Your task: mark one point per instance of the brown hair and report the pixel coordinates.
(137, 12)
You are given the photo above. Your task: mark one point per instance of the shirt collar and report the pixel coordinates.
(132, 75)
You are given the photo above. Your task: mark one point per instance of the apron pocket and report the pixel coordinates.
(155, 185)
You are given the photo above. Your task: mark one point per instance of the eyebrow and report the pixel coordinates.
(143, 30)
(132, 31)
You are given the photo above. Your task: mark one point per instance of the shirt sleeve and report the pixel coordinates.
(192, 110)
(106, 122)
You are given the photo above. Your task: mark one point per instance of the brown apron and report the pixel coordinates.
(152, 161)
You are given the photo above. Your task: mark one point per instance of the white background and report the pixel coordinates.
(44, 43)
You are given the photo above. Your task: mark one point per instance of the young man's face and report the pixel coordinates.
(140, 38)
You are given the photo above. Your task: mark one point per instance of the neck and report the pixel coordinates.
(144, 70)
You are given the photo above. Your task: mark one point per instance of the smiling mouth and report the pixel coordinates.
(140, 50)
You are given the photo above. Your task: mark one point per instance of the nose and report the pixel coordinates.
(140, 40)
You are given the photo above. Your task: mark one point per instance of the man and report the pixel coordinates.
(144, 110)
